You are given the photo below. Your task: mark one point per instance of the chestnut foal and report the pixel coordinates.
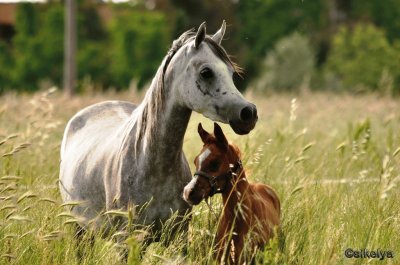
(251, 210)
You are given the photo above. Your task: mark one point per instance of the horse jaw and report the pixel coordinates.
(242, 128)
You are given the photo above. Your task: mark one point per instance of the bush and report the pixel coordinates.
(92, 47)
(261, 24)
(38, 47)
(28, 68)
(131, 47)
(51, 37)
(361, 59)
(289, 65)
(139, 41)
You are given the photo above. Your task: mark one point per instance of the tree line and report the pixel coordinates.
(340, 45)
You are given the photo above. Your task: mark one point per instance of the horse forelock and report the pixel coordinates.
(155, 96)
(221, 53)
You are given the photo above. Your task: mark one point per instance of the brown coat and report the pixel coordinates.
(250, 209)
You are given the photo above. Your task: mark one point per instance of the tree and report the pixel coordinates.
(28, 68)
(139, 41)
(70, 47)
(360, 56)
(263, 23)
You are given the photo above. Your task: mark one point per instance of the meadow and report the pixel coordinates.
(333, 160)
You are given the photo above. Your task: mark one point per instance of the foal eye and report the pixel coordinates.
(206, 73)
(214, 165)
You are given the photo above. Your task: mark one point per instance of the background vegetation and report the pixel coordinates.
(334, 161)
(351, 45)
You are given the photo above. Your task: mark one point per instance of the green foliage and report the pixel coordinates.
(134, 251)
(289, 65)
(134, 43)
(384, 14)
(6, 66)
(52, 43)
(360, 56)
(92, 46)
(132, 47)
(272, 252)
(139, 42)
(38, 45)
(263, 23)
(28, 53)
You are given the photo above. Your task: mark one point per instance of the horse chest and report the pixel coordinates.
(151, 181)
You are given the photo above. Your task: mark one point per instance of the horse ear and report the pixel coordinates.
(219, 135)
(203, 133)
(200, 35)
(219, 35)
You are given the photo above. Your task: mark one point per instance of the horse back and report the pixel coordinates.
(96, 120)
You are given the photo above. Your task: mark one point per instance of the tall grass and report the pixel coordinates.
(334, 161)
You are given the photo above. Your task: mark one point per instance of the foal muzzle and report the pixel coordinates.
(212, 180)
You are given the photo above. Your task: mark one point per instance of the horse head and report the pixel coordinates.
(203, 76)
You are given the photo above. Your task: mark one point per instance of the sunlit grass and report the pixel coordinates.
(333, 160)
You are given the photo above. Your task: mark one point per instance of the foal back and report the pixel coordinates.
(266, 209)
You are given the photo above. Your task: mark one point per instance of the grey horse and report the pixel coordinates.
(115, 154)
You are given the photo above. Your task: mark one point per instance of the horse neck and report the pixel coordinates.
(162, 122)
(236, 189)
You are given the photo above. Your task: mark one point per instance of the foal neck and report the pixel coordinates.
(237, 187)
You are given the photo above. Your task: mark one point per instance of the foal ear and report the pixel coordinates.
(200, 35)
(203, 133)
(219, 35)
(219, 135)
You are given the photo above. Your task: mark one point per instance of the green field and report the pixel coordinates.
(333, 160)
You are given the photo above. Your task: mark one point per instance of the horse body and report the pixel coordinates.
(115, 154)
(109, 173)
(250, 212)
(85, 181)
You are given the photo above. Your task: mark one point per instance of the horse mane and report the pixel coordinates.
(155, 96)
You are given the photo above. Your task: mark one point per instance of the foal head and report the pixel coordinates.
(216, 166)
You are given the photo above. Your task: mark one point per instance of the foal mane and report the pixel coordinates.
(234, 153)
(155, 96)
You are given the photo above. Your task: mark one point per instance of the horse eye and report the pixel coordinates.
(206, 73)
(214, 165)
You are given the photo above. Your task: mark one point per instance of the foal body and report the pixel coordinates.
(250, 210)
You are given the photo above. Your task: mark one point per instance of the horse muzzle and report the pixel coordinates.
(246, 120)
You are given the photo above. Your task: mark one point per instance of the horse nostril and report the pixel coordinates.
(246, 114)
